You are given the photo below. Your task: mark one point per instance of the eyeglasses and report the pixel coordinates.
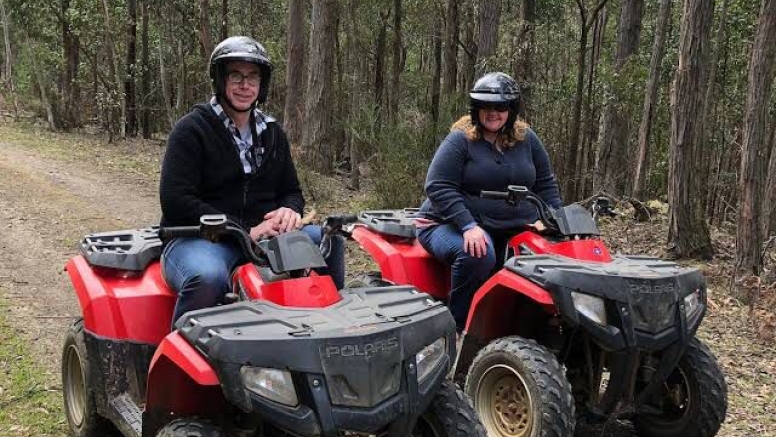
(237, 77)
(498, 107)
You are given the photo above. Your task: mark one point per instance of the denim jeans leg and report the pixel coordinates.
(468, 273)
(199, 272)
(336, 260)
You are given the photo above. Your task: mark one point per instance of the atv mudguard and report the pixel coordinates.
(122, 305)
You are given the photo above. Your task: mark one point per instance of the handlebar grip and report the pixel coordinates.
(494, 194)
(179, 231)
(349, 218)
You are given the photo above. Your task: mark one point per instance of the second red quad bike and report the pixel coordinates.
(287, 354)
(565, 332)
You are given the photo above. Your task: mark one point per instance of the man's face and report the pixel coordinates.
(243, 81)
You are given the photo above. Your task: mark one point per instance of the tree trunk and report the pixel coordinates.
(451, 48)
(398, 63)
(688, 234)
(318, 132)
(130, 102)
(570, 179)
(524, 67)
(165, 87)
(69, 89)
(487, 39)
(437, 72)
(380, 61)
(145, 81)
(295, 72)
(7, 71)
(470, 57)
(205, 42)
(612, 169)
(650, 100)
(39, 77)
(748, 238)
(224, 19)
(586, 156)
(355, 95)
(116, 99)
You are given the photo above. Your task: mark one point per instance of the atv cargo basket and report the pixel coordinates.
(130, 250)
(396, 222)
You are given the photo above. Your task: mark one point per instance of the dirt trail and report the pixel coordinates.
(46, 206)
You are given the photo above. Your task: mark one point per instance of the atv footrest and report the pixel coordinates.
(129, 417)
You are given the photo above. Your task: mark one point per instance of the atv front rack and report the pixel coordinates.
(131, 249)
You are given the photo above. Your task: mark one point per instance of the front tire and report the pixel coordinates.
(693, 400)
(190, 428)
(450, 414)
(520, 390)
(80, 406)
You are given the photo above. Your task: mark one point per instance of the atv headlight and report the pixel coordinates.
(692, 303)
(429, 357)
(273, 384)
(589, 306)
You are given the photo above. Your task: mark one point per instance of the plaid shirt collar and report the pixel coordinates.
(250, 154)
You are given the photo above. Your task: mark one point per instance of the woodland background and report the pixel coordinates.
(634, 99)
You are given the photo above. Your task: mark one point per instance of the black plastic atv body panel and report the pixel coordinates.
(643, 297)
(131, 249)
(353, 363)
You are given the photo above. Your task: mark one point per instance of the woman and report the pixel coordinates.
(487, 150)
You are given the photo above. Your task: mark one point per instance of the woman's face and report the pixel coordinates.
(493, 117)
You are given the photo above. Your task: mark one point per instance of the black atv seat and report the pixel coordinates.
(395, 222)
(132, 249)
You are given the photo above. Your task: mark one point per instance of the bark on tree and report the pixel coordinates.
(470, 48)
(380, 60)
(569, 179)
(688, 234)
(318, 132)
(650, 100)
(354, 98)
(293, 114)
(450, 47)
(165, 87)
(437, 72)
(612, 169)
(41, 82)
(769, 205)
(748, 237)
(487, 38)
(145, 81)
(7, 71)
(67, 116)
(398, 63)
(586, 156)
(524, 66)
(205, 41)
(130, 102)
(224, 19)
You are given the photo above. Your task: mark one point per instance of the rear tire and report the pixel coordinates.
(190, 428)
(519, 390)
(80, 406)
(693, 398)
(450, 414)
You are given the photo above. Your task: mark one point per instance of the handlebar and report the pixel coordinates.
(516, 194)
(212, 227)
(333, 225)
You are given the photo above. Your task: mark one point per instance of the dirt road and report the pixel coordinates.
(51, 195)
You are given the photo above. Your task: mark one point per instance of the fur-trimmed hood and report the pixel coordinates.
(465, 125)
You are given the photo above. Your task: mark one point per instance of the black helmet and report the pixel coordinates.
(495, 88)
(239, 48)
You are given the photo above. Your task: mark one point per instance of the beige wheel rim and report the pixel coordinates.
(75, 389)
(504, 403)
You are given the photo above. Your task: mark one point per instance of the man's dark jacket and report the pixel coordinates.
(202, 174)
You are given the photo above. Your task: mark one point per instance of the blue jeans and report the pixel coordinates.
(468, 273)
(199, 271)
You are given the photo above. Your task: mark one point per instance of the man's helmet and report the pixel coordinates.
(239, 48)
(494, 89)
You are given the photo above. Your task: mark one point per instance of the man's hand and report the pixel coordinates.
(285, 219)
(264, 229)
(475, 243)
(538, 226)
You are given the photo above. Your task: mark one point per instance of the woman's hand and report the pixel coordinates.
(286, 219)
(537, 226)
(475, 243)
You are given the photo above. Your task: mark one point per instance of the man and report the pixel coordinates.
(228, 157)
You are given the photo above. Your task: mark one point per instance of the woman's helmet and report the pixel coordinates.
(494, 89)
(239, 48)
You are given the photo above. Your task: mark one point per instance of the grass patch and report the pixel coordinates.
(30, 398)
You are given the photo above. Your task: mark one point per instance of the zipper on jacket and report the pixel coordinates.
(246, 182)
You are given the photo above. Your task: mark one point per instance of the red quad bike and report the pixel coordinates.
(286, 354)
(566, 333)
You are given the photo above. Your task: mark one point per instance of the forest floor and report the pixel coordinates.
(55, 188)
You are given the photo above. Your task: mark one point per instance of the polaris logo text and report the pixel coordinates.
(651, 289)
(361, 350)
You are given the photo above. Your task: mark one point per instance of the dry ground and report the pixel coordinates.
(54, 188)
